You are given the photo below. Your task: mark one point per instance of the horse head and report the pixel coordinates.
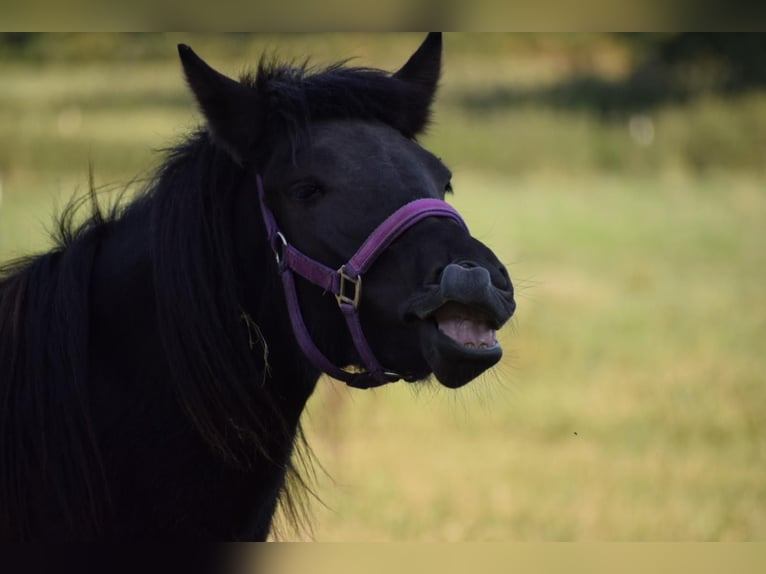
(334, 154)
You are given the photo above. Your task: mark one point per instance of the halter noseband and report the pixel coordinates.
(345, 283)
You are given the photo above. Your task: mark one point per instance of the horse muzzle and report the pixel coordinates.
(459, 320)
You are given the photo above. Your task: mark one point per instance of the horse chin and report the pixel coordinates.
(453, 363)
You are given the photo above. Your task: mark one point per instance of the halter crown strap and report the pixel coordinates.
(340, 282)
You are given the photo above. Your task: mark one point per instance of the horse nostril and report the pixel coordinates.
(465, 264)
(483, 276)
(506, 278)
(498, 273)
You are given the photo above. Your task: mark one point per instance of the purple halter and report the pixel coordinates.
(345, 283)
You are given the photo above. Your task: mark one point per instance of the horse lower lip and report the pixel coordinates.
(453, 363)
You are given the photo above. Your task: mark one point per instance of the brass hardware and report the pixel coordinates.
(346, 279)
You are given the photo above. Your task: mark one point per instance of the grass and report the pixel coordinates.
(629, 405)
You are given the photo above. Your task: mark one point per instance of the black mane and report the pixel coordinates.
(44, 307)
(215, 353)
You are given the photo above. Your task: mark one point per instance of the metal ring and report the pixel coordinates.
(392, 376)
(277, 254)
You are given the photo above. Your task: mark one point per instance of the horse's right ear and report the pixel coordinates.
(230, 108)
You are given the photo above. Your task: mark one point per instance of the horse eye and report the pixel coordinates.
(305, 191)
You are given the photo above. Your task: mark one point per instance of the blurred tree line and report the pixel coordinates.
(729, 61)
(740, 57)
(732, 61)
(667, 67)
(688, 62)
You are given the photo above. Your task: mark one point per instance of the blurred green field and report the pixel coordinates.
(630, 403)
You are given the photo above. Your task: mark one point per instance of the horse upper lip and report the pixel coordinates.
(470, 287)
(496, 310)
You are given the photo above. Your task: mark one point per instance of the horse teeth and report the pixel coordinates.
(469, 345)
(483, 345)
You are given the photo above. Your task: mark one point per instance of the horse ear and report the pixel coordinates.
(422, 71)
(424, 66)
(230, 108)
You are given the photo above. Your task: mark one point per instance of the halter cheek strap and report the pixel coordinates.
(345, 283)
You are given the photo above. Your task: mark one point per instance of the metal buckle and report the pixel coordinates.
(344, 280)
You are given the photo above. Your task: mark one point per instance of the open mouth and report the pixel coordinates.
(459, 343)
(459, 319)
(466, 326)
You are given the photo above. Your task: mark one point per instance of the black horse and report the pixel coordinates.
(154, 365)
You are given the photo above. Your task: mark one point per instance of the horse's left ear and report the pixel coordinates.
(231, 109)
(422, 71)
(424, 66)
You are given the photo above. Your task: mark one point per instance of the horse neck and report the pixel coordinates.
(200, 305)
